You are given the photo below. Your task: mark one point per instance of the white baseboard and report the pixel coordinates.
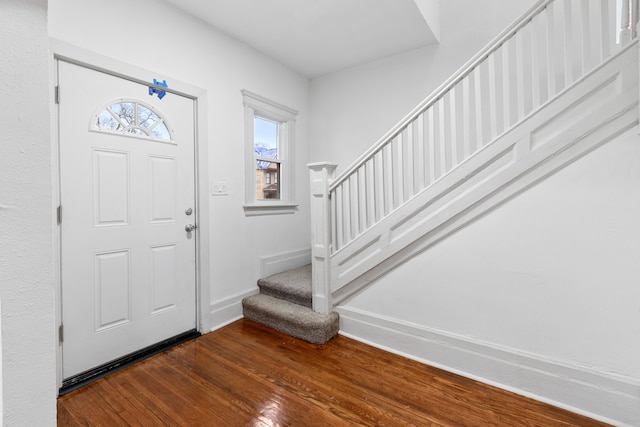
(279, 263)
(228, 310)
(600, 395)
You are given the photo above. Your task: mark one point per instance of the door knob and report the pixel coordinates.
(189, 228)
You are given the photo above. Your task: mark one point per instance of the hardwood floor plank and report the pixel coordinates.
(246, 374)
(321, 386)
(253, 380)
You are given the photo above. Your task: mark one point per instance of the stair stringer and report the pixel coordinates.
(592, 111)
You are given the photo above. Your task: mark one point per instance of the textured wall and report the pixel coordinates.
(26, 256)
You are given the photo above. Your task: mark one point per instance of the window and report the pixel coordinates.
(132, 118)
(269, 146)
(267, 156)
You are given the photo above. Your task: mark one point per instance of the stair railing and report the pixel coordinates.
(552, 46)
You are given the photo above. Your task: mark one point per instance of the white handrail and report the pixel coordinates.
(551, 47)
(465, 70)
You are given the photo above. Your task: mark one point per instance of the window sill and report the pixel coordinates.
(270, 209)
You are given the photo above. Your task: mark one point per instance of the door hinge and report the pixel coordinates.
(59, 214)
(61, 333)
(56, 93)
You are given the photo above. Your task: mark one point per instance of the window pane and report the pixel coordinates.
(265, 136)
(133, 118)
(146, 117)
(126, 111)
(271, 189)
(136, 131)
(107, 122)
(160, 131)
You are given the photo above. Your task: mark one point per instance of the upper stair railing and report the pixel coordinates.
(553, 45)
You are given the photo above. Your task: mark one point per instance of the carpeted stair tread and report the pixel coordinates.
(290, 318)
(293, 286)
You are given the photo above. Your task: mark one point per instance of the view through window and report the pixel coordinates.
(267, 158)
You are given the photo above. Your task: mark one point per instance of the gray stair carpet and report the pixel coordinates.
(293, 286)
(284, 303)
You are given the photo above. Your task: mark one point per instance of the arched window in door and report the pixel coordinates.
(131, 117)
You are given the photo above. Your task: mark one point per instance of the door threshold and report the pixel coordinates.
(101, 371)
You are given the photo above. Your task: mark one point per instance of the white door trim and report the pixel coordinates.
(69, 53)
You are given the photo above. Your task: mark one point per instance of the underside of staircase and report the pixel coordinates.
(284, 303)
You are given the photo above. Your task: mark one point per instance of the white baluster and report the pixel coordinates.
(605, 37)
(453, 130)
(431, 139)
(418, 153)
(478, 110)
(354, 217)
(586, 36)
(506, 85)
(346, 210)
(520, 83)
(362, 199)
(568, 44)
(635, 17)
(466, 117)
(535, 62)
(551, 53)
(493, 107)
(442, 138)
(388, 178)
(370, 192)
(333, 197)
(338, 225)
(625, 32)
(407, 163)
(396, 171)
(378, 173)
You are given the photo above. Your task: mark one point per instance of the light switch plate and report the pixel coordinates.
(219, 188)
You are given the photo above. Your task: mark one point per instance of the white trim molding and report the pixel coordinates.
(228, 310)
(259, 106)
(593, 111)
(599, 395)
(89, 59)
(225, 311)
(274, 264)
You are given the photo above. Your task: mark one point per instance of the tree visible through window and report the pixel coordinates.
(269, 150)
(130, 117)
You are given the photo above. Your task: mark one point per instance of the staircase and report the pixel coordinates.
(558, 83)
(285, 303)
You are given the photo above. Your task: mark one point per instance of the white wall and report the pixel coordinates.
(158, 37)
(353, 108)
(26, 244)
(552, 274)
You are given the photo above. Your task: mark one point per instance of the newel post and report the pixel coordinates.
(321, 174)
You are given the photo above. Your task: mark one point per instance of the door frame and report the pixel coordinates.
(69, 53)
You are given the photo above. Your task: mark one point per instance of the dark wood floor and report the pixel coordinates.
(248, 375)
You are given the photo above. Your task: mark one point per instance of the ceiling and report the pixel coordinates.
(316, 37)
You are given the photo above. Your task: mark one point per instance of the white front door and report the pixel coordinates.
(127, 194)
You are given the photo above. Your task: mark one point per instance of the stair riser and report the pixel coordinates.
(268, 290)
(316, 334)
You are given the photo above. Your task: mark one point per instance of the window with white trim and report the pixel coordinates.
(269, 130)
